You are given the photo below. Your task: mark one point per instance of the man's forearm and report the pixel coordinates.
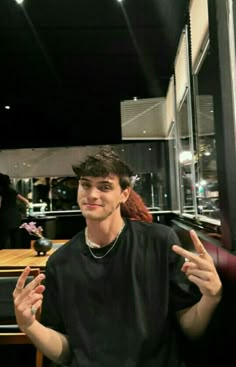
(195, 319)
(51, 343)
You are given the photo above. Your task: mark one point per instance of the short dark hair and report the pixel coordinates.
(103, 163)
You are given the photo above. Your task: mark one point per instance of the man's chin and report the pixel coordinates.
(89, 215)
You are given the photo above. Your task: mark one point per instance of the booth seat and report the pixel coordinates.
(224, 260)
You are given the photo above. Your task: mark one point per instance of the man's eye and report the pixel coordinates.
(105, 188)
(85, 185)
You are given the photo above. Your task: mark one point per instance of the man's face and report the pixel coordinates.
(99, 197)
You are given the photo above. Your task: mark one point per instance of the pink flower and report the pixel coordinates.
(32, 229)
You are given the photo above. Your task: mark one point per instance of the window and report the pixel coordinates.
(206, 165)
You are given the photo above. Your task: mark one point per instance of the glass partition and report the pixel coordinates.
(173, 172)
(149, 161)
(186, 157)
(206, 165)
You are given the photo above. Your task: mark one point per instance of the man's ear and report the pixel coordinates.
(125, 194)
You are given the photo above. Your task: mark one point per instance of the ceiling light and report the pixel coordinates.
(19, 1)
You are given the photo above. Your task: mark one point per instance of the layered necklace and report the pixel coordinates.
(91, 245)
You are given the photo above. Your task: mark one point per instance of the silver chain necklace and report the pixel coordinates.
(89, 243)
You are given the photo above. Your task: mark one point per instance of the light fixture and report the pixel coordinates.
(186, 157)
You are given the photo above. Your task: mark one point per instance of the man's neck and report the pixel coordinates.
(104, 232)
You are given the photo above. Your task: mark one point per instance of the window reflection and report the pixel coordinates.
(148, 159)
(173, 153)
(153, 189)
(186, 158)
(206, 165)
(63, 193)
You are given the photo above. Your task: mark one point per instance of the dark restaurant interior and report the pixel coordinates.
(133, 75)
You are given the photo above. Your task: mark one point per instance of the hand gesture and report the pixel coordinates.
(27, 299)
(199, 268)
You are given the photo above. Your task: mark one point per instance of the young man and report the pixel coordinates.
(112, 295)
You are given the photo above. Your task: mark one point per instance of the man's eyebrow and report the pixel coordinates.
(108, 181)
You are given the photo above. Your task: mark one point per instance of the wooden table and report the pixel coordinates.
(20, 258)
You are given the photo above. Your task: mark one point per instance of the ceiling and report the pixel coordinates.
(66, 65)
(144, 119)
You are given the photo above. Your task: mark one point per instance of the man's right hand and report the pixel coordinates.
(27, 299)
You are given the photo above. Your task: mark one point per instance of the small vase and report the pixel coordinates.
(42, 245)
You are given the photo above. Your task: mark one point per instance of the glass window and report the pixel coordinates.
(186, 157)
(206, 165)
(149, 161)
(173, 171)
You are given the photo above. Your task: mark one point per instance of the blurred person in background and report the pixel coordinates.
(10, 218)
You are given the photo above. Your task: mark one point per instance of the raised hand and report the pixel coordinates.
(199, 268)
(27, 299)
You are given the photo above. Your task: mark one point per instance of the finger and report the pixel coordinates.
(39, 289)
(188, 255)
(21, 281)
(32, 300)
(22, 302)
(21, 290)
(201, 274)
(186, 265)
(36, 307)
(198, 281)
(34, 284)
(22, 278)
(197, 243)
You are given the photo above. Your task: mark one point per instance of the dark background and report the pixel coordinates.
(66, 65)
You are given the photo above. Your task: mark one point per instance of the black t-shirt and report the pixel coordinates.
(119, 311)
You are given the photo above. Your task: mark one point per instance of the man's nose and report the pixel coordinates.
(93, 191)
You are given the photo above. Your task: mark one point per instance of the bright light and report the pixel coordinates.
(186, 157)
(19, 1)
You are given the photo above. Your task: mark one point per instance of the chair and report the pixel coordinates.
(9, 330)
